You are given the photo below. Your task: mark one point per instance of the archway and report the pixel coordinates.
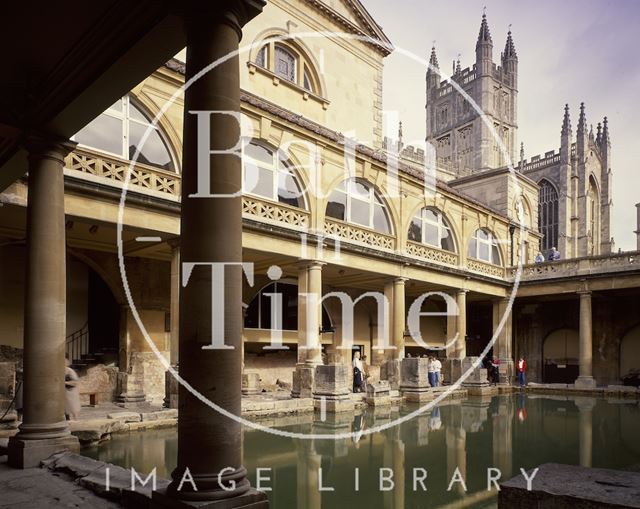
(560, 353)
(630, 351)
(93, 316)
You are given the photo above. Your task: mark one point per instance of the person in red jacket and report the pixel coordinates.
(521, 368)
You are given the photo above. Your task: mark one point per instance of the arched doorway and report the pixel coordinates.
(560, 353)
(93, 316)
(630, 351)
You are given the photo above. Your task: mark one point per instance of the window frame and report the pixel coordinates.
(124, 116)
(441, 224)
(276, 170)
(303, 66)
(373, 200)
(548, 215)
(490, 243)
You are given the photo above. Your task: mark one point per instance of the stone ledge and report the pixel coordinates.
(558, 486)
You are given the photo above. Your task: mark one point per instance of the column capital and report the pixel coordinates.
(461, 291)
(43, 146)
(235, 13)
(310, 264)
(584, 293)
(400, 279)
(174, 242)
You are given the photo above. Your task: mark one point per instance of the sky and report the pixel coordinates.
(569, 51)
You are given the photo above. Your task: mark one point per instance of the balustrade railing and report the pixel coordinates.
(431, 254)
(358, 235)
(487, 269)
(262, 210)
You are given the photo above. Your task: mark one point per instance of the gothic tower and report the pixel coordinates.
(462, 139)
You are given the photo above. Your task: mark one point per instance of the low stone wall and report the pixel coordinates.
(101, 381)
(271, 367)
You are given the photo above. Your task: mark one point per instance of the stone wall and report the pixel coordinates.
(99, 380)
(271, 367)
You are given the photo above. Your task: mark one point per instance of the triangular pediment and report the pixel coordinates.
(352, 14)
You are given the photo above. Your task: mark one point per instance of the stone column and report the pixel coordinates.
(456, 442)
(44, 430)
(399, 316)
(461, 325)
(309, 323)
(175, 300)
(503, 346)
(585, 380)
(210, 444)
(394, 292)
(307, 470)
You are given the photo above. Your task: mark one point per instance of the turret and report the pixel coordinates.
(484, 49)
(565, 137)
(433, 71)
(510, 61)
(582, 134)
(599, 135)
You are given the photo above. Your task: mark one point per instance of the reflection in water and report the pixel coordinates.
(391, 469)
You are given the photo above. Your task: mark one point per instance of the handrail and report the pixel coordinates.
(77, 343)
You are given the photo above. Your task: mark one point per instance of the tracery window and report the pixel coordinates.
(267, 174)
(483, 246)
(119, 130)
(358, 202)
(548, 215)
(430, 227)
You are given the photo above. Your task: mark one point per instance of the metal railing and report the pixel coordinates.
(77, 343)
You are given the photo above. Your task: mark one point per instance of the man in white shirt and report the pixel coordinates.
(437, 368)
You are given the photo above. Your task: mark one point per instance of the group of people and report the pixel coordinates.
(554, 255)
(360, 374)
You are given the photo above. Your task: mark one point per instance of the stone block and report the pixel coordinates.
(452, 370)
(378, 394)
(170, 413)
(303, 381)
(250, 383)
(567, 487)
(413, 373)
(477, 376)
(29, 453)
(171, 389)
(585, 382)
(390, 371)
(125, 416)
(331, 405)
(253, 499)
(332, 380)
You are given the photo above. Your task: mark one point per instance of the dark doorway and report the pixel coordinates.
(104, 319)
(479, 327)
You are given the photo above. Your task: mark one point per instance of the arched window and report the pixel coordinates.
(483, 246)
(267, 174)
(358, 202)
(430, 227)
(259, 315)
(288, 63)
(593, 217)
(548, 215)
(119, 130)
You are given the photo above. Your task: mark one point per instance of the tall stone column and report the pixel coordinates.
(394, 292)
(585, 379)
(175, 301)
(309, 323)
(209, 468)
(461, 325)
(503, 346)
(44, 430)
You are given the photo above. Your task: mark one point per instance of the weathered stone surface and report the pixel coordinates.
(477, 376)
(170, 413)
(250, 383)
(125, 416)
(567, 487)
(413, 373)
(303, 381)
(332, 380)
(100, 381)
(390, 371)
(95, 429)
(378, 393)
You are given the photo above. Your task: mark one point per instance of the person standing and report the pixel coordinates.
(72, 392)
(437, 368)
(431, 373)
(358, 373)
(521, 368)
(539, 258)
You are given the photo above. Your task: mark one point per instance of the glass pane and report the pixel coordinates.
(136, 114)
(360, 212)
(261, 58)
(337, 205)
(483, 235)
(259, 153)
(415, 230)
(288, 190)
(446, 242)
(430, 215)
(307, 81)
(104, 133)
(472, 248)
(483, 251)
(495, 255)
(359, 190)
(380, 222)
(431, 235)
(116, 106)
(153, 152)
(285, 64)
(258, 180)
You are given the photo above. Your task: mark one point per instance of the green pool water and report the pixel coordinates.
(505, 432)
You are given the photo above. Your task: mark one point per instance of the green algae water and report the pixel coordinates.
(445, 458)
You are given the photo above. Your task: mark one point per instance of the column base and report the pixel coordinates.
(252, 499)
(29, 453)
(390, 371)
(585, 382)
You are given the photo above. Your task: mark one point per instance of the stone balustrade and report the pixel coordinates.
(576, 267)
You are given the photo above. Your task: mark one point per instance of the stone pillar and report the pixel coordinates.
(502, 348)
(44, 430)
(585, 380)
(210, 444)
(394, 292)
(503, 437)
(309, 323)
(175, 300)
(456, 441)
(307, 470)
(461, 325)
(393, 457)
(585, 429)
